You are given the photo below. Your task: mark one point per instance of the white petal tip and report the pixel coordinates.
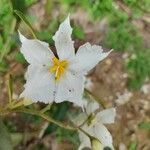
(114, 110)
(68, 18)
(21, 95)
(111, 50)
(107, 53)
(113, 113)
(22, 38)
(67, 21)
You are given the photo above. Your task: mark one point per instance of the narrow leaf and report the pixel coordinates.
(5, 139)
(144, 125)
(48, 6)
(78, 33)
(133, 145)
(24, 19)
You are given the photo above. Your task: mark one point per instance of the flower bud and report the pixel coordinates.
(96, 144)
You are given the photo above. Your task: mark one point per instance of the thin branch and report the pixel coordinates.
(47, 118)
(46, 108)
(96, 98)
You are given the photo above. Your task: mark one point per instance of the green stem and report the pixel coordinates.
(45, 117)
(96, 98)
(48, 107)
(15, 105)
(42, 115)
(91, 137)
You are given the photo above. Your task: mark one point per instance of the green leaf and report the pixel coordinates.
(30, 2)
(64, 134)
(24, 19)
(48, 6)
(144, 125)
(3, 66)
(45, 36)
(20, 58)
(16, 138)
(5, 139)
(78, 33)
(19, 6)
(138, 68)
(58, 112)
(7, 45)
(133, 145)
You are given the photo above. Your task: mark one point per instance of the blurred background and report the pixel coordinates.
(121, 80)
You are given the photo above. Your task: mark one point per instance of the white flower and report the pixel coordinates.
(124, 98)
(95, 125)
(56, 79)
(145, 88)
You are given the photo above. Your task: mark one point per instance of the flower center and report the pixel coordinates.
(58, 68)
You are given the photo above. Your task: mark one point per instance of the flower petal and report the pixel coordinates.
(91, 106)
(32, 71)
(70, 88)
(103, 135)
(63, 41)
(39, 86)
(84, 140)
(107, 115)
(35, 51)
(87, 57)
(80, 119)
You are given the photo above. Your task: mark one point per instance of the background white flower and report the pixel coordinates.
(49, 78)
(124, 98)
(95, 125)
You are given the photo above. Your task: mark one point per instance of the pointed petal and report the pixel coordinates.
(107, 115)
(35, 51)
(103, 135)
(87, 57)
(39, 86)
(70, 88)
(63, 41)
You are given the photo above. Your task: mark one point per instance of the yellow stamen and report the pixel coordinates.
(58, 67)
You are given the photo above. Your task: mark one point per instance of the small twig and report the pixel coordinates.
(48, 107)
(96, 98)
(47, 118)
(26, 22)
(42, 131)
